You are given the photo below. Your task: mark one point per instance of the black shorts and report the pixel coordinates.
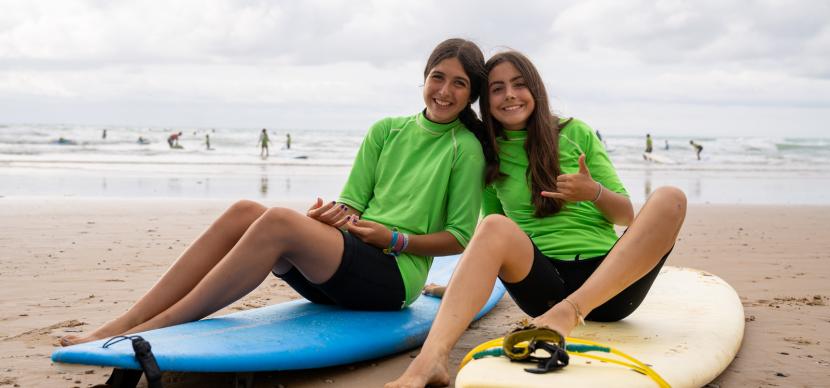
(367, 279)
(550, 281)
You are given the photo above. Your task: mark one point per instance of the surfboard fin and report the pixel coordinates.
(122, 378)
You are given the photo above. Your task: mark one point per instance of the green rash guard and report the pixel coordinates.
(579, 228)
(421, 177)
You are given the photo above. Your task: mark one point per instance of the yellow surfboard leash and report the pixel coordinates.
(517, 344)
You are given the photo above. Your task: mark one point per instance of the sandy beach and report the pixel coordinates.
(68, 265)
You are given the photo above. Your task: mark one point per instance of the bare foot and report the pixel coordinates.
(424, 371)
(560, 317)
(69, 340)
(435, 290)
(109, 329)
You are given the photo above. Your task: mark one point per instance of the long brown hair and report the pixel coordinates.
(472, 60)
(542, 144)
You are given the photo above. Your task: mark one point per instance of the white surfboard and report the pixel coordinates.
(688, 329)
(657, 158)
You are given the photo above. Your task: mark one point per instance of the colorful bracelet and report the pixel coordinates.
(399, 246)
(390, 250)
(405, 242)
(399, 243)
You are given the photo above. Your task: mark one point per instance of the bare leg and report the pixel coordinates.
(185, 272)
(651, 234)
(314, 248)
(499, 248)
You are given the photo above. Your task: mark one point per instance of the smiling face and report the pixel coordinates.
(511, 102)
(446, 91)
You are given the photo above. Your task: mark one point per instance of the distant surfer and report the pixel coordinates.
(649, 144)
(288, 141)
(173, 140)
(65, 141)
(263, 143)
(667, 145)
(104, 134)
(143, 141)
(207, 142)
(698, 148)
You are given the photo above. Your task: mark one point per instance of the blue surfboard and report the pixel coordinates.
(286, 336)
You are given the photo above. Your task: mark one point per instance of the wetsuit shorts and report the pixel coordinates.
(550, 280)
(367, 279)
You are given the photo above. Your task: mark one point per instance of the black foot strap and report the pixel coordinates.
(558, 358)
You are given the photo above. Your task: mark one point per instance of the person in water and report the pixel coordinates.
(263, 143)
(173, 140)
(698, 148)
(548, 227)
(649, 144)
(396, 211)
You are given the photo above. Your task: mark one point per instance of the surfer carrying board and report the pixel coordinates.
(548, 231)
(372, 249)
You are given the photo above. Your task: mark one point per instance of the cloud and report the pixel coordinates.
(344, 58)
(789, 36)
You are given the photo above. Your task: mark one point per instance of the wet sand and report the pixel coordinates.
(68, 265)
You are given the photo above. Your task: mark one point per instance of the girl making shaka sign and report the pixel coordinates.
(550, 208)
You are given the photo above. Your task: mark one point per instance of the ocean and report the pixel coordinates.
(34, 161)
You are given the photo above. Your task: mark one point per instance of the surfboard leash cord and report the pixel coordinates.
(144, 356)
(520, 344)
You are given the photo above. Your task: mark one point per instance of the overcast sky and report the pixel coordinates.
(716, 67)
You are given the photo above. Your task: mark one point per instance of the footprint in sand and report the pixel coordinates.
(43, 335)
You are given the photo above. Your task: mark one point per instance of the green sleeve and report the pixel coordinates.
(359, 188)
(597, 160)
(490, 203)
(464, 194)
